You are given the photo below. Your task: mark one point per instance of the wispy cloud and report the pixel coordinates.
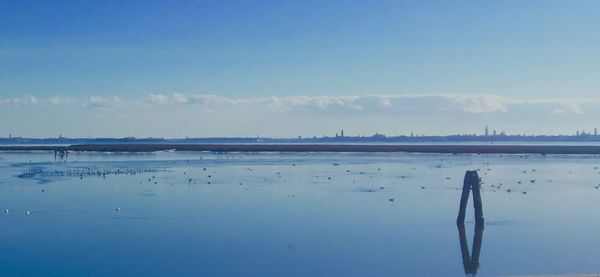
(479, 103)
(404, 103)
(468, 103)
(97, 101)
(179, 114)
(32, 100)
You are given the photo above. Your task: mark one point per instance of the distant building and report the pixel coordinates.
(378, 135)
(487, 131)
(342, 133)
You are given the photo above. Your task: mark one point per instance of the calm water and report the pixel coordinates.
(182, 214)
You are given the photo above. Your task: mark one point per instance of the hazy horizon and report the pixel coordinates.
(332, 134)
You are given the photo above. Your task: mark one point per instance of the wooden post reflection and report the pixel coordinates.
(470, 261)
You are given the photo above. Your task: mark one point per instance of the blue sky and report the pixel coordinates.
(95, 68)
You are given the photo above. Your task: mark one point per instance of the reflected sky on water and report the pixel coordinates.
(296, 214)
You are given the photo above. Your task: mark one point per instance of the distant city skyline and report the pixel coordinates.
(280, 69)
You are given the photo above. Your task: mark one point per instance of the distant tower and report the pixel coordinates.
(494, 133)
(487, 131)
(342, 133)
(595, 131)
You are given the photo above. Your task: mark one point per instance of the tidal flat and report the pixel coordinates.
(294, 214)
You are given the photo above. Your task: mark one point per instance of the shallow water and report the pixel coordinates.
(299, 214)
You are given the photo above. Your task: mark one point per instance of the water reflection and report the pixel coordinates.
(470, 261)
(61, 154)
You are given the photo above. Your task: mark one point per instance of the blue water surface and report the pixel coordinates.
(284, 214)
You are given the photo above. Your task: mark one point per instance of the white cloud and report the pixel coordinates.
(573, 106)
(211, 115)
(479, 103)
(413, 103)
(399, 104)
(428, 102)
(32, 100)
(98, 101)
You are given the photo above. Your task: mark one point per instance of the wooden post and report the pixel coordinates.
(471, 183)
(475, 186)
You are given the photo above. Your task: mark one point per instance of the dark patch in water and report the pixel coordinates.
(368, 190)
(36, 174)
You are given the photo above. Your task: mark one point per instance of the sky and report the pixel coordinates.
(297, 68)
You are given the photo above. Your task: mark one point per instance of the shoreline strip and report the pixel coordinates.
(368, 148)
